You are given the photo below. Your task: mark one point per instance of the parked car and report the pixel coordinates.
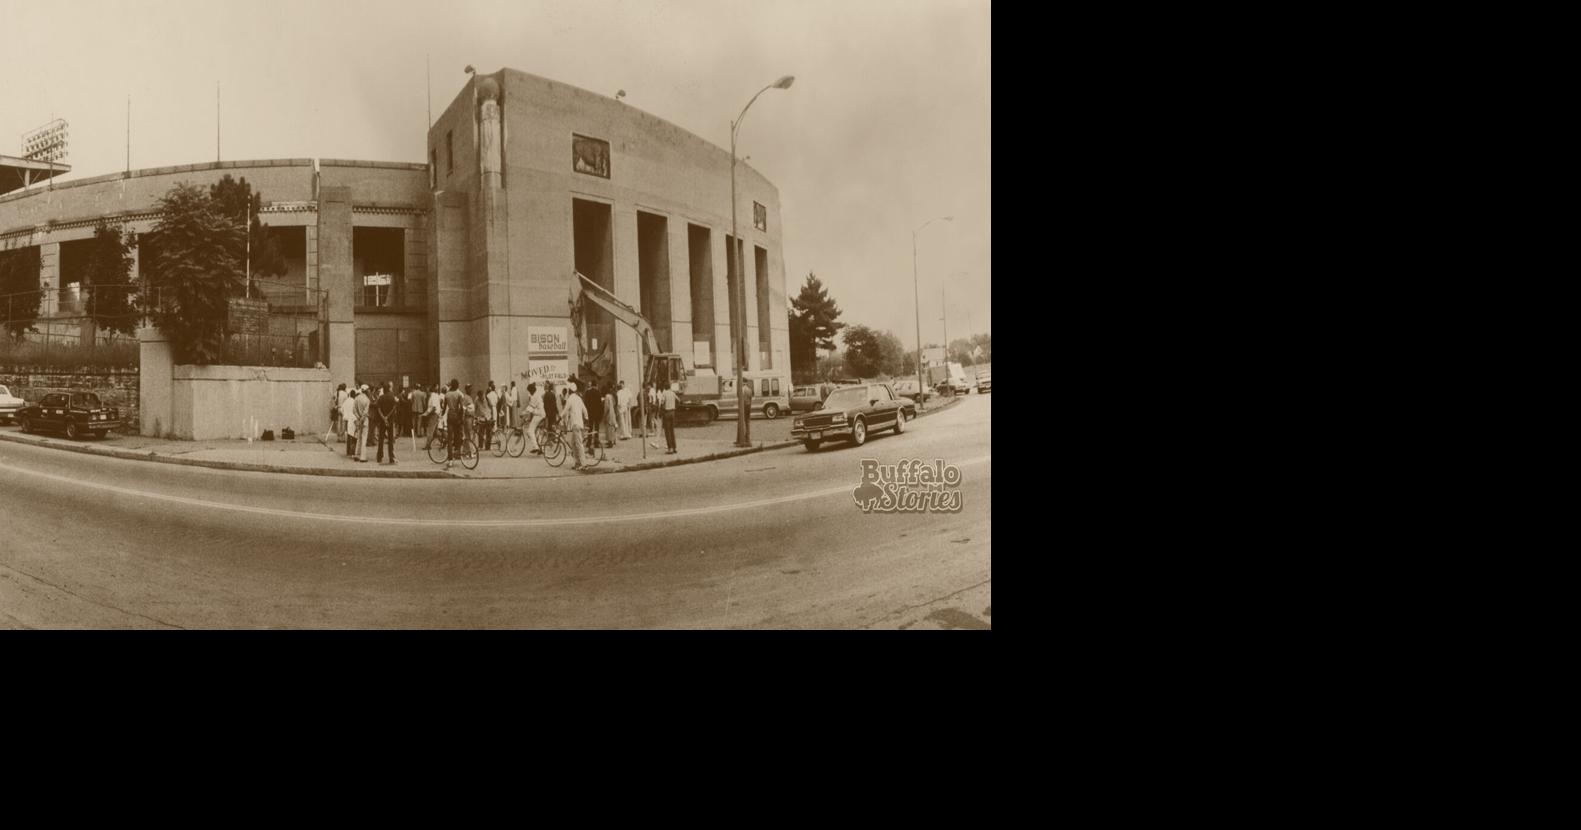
(806, 398)
(852, 412)
(913, 390)
(77, 414)
(9, 405)
(985, 380)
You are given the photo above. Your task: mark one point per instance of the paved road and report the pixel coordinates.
(770, 540)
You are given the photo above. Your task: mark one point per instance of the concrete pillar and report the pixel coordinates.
(628, 289)
(155, 388)
(49, 278)
(335, 276)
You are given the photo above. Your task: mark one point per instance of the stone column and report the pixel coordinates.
(155, 388)
(335, 276)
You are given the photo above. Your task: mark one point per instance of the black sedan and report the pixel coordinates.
(853, 413)
(77, 414)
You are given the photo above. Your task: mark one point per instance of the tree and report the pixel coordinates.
(893, 357)
(234, 199)
(107, 277)
(20, 291)
(194, 272)
(814, 322)
(863, 351)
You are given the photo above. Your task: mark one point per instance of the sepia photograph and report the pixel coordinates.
(496, 315)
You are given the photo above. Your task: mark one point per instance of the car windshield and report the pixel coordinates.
(4, 391)
(846, 399)
(85, 400)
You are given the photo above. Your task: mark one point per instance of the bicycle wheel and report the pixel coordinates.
(497, 444)
(469, 454)
(554, 451)
(545, 436)
(439, 448)
(516, 444)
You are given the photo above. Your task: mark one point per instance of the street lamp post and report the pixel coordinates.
(743, 403)
(917, 303)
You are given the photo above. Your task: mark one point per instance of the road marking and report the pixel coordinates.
(376, 520)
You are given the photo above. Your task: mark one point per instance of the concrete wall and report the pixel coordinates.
(115, 387)
(276, 180)
(219, 401)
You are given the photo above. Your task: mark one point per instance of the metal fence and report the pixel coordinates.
(279, 324)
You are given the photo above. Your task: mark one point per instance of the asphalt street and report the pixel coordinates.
(768, 540)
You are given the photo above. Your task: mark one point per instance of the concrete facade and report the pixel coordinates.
(487, 234)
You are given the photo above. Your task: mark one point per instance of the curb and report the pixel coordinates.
(130, 455)
(677, 462)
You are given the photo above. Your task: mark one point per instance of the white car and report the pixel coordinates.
(9, 405)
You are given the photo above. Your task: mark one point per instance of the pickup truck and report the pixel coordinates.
(78, 414)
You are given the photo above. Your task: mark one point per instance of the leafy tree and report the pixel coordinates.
(19, 288)
(814, 322)
(234, 199)
(864, 355)
(107, 277)
(893, 357)
(194, 272)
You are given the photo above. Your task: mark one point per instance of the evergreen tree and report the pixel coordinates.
(814, 322)
(236, 200)
(107, 277)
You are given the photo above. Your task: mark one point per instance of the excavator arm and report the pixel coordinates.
(658, 367)
(585, 290)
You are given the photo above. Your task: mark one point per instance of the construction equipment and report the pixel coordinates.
(660, 368)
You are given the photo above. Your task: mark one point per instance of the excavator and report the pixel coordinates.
(659, 367)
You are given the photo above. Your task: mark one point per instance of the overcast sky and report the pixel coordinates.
(886, 127)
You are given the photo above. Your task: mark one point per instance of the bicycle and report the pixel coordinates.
(556, 445)
(439, 449)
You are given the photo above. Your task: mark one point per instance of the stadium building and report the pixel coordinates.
(462, 266)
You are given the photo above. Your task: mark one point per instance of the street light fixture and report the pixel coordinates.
(743, 403)
(944, 310)
(917, 303)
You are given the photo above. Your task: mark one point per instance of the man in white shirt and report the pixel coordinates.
(575, 422)
(436, 403)
(348, 420)
(535, 416)
(512, 403)
(623, 403)
(668, 402)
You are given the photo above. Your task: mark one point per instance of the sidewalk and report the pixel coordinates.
(316, 455)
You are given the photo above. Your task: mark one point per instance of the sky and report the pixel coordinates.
(886, 127)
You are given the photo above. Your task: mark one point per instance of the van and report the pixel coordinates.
(770, 393)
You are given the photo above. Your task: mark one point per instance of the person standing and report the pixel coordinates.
(623, 406)
(389, 409)
(576, 417)
(668, 403)
(653, 408)
(512, 406)
(432, 412)
(336, 421)
(612, 410)
(363, 407)
(416, 405)
(494, 405)
(455, 420)
(348, 417)
(534, 416)
(484, 407)
(551, 410)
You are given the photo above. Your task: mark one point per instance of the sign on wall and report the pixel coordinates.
(589, 155)
(548, 354)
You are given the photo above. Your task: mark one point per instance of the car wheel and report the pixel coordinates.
(771, 411)
(713, 413)
(73, 432)
(900, 421)
(859, 432)
(811, 445)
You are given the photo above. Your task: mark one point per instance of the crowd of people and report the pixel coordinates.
(592, 416)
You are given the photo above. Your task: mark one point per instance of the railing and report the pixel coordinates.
(283, 326)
